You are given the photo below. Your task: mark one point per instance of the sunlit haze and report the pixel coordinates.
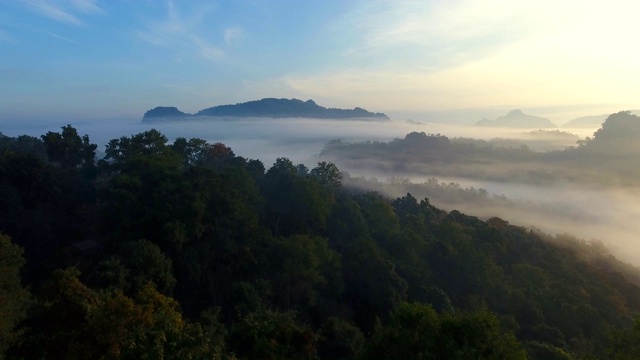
(459, 60)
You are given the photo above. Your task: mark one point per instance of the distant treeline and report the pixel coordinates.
(185, 250)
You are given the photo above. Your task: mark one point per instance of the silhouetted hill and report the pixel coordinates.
(619, 136)
(164, 112)
(484, 122)
(586, 121)
(269, 108)
(518, 119)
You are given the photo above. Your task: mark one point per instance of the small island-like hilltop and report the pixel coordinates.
(518, 119)
(266, 108)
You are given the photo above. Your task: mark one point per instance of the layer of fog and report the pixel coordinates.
(301, 140)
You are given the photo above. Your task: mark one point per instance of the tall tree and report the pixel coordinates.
(69, 149)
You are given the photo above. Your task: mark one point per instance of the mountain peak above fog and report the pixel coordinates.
(517, 119)
(266, 108)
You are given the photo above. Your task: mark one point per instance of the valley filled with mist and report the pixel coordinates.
(557, 180)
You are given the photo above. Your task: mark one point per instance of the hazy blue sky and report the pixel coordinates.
(100, 59)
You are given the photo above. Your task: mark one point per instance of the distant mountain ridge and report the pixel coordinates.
(518, 119)
(594, 121)
(267, 108)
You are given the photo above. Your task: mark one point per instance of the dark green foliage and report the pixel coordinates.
(271, 335)
(416, 331)
(294, 204)
(24, 144)
(412, 333)
(372, 286)
(340, 339)
(44, 209)
(303, 271)
(328, 175)
(136, 264)
(541, 351)
(14, 297)
(626, 344)
(72, 321)
(69, 149)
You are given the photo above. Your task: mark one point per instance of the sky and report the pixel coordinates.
(113, 59)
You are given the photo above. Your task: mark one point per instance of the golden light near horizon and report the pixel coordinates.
(500, 53)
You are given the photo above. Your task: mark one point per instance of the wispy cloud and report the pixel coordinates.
(88, 6)
(441, 32)
(60, 37)
(65, 12)
(176, 31)
(52, 11)
(233, 34)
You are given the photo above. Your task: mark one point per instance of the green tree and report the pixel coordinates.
(72, 321)
(272, 335)
(148, 198)
(303, 270)
(148, 143)
(372, 286)
(476, 335)
(61, 310)
(328, 175)
(24, 144)
(542, 351)
(625, 345)
(42, 209)
(69, 149)
(193, 151)
(14, 297)
(411, 333)
(383, 223)
(222, 225)
(340, 339)
(416, 331)
(137, 263)
(294, 204)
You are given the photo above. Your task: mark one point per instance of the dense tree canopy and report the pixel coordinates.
(186, 250)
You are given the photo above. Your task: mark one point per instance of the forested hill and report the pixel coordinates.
(184, 250)
(518, 119)
(267, 108)
(610, 157)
